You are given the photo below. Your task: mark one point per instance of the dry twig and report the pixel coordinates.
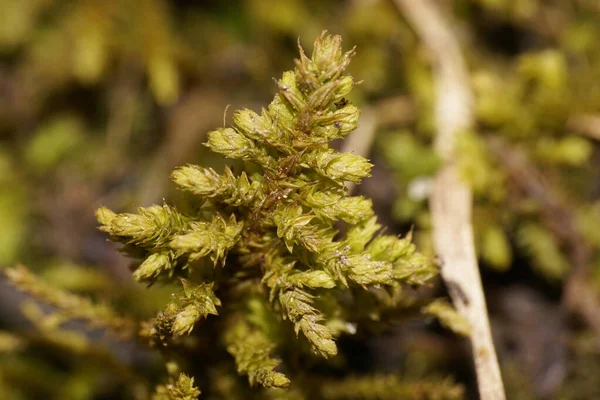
(451, 199)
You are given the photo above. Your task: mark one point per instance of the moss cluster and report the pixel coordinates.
(268, 236)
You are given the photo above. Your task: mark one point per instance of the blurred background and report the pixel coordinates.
(100, 100)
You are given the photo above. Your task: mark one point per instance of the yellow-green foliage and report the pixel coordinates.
(543, 249)
(181, 388)
(251, 349)
(10, 342)
(269, 231)
(448, 317)
(54, 141)
(91, 34)
(13, 210)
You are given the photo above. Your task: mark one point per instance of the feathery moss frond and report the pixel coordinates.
(251, 350)
(297, 307)
(279, 240)
(180, 315)
(181, 388)
(70, 306)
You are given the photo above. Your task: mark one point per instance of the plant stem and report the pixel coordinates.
(451, 199)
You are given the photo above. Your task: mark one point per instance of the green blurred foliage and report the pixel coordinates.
(13, 210)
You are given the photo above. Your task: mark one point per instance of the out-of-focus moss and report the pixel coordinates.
(54, 141)
(495, 248)
(13, 210)
(17, 20)
(74, 277)
(406, 154)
